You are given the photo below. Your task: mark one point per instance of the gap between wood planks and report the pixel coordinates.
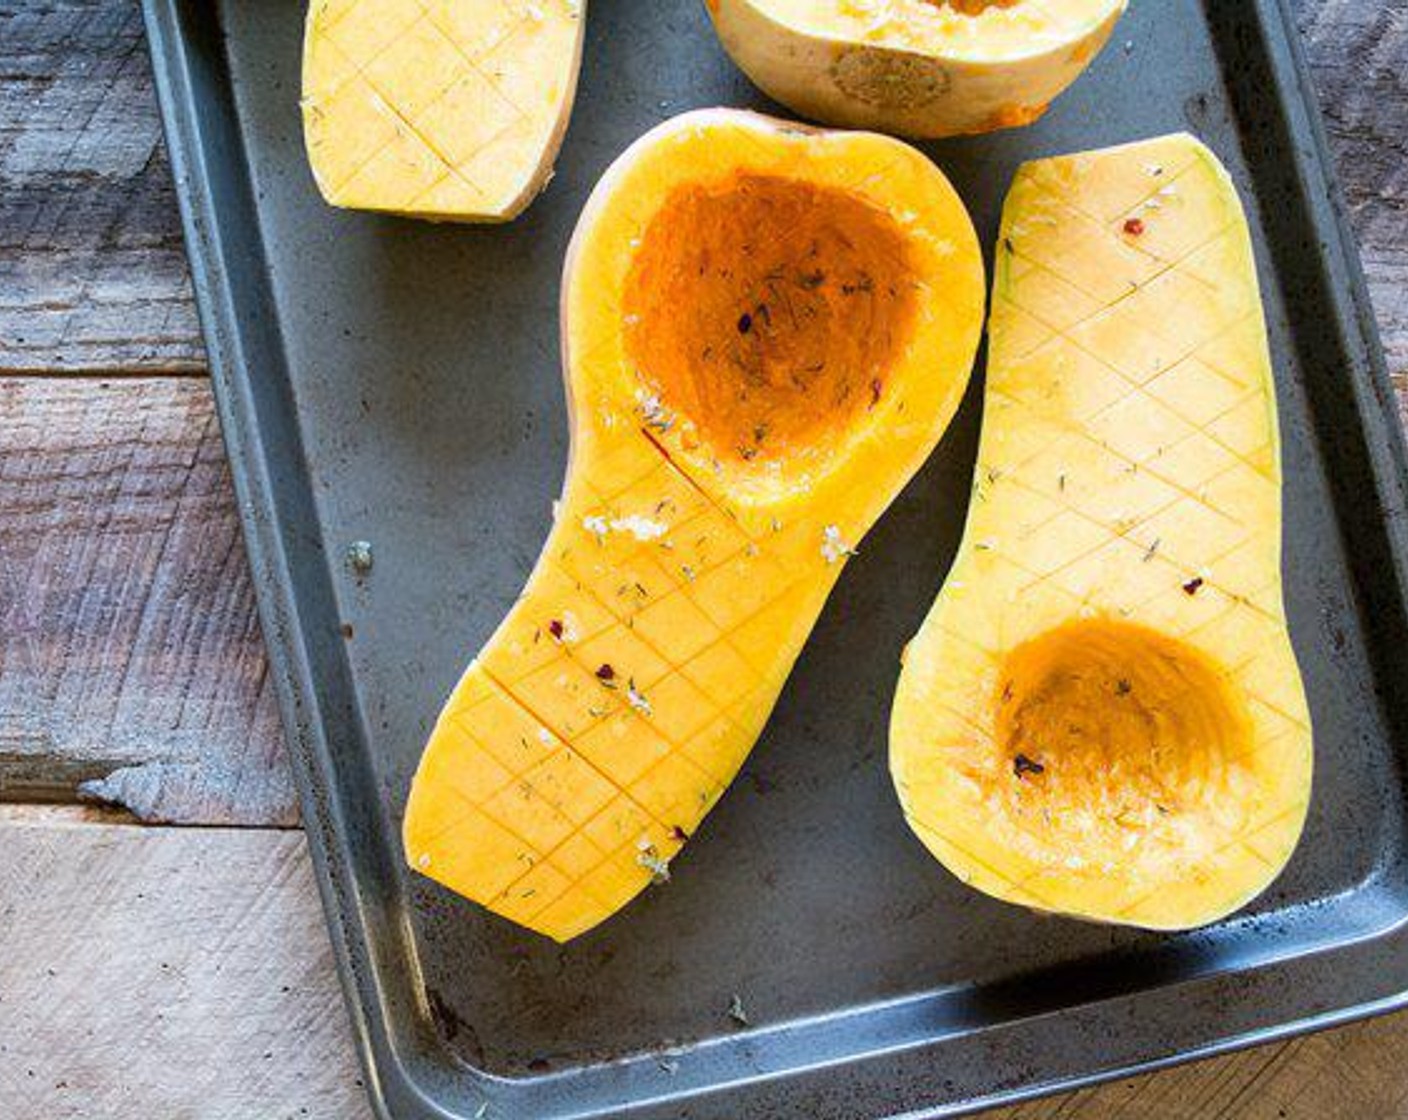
(56, 814)
(122, 373)
(132, 668)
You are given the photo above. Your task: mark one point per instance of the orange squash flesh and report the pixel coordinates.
(1103, 715)
(766, 329)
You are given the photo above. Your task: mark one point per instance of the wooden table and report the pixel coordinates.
(164, 955)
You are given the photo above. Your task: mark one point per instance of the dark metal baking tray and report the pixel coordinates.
(397, 382)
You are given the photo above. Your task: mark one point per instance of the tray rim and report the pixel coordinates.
(390, 1080)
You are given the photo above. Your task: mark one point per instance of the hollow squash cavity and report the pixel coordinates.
(766, 330)
(1116, 736)
(770, 312)
(1102, 714)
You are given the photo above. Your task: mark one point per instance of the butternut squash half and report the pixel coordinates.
(925, 68)
(1102, 715)
(766, 329)
(443, 109)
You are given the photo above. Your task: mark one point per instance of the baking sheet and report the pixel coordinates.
(397, 383)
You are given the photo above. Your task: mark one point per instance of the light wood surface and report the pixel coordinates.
(163, 973)
(157, 971)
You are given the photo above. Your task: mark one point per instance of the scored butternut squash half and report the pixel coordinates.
(924, 68)
(765, 331)
(439, 109)
(1102, 715)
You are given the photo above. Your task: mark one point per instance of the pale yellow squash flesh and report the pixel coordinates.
(450, 110)
(924, 68)
(766, 330)
(1102, 715)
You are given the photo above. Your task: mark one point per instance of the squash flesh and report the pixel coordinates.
(443, 110)
(927, 68)
(769, 313)
(1102, 715)
(610, 710)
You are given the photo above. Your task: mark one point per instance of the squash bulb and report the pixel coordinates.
(1102, 714)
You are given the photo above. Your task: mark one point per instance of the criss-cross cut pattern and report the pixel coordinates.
(617, 700)
(610, 710)
(437, 107)
(1128, 471)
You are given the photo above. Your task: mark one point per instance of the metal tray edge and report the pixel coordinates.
(276, 601)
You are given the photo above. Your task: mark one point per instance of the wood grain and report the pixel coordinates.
(1358, 53)
(92, 270)
(161, 972)
(131, 663)
(1352, 1073)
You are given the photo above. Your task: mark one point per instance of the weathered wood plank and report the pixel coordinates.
(131, 663)
(1358, 53)
(166, 973)
(92, 269)
(1351, 1073)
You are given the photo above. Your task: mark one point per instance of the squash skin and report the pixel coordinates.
(1102, 716)
(612, 707)
(444, 111)
(855, 77)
